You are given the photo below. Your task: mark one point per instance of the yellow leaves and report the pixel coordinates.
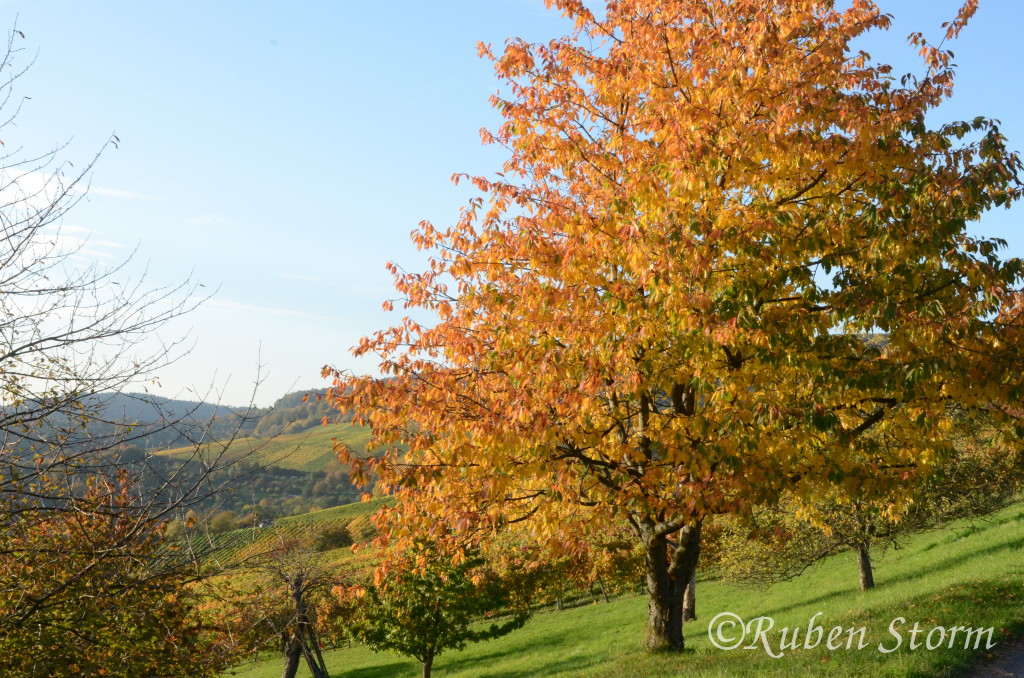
(739, 200)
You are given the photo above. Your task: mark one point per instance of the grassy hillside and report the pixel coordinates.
(308, 450)
(965, 575)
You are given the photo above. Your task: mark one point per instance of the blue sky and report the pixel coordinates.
(281, 153)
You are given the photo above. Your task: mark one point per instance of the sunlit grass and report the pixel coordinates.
(965, 575)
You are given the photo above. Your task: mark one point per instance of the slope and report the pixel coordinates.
(969, 575)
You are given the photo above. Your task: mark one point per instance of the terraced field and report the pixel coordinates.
(229, 546)
(309, 450)
(338, 514)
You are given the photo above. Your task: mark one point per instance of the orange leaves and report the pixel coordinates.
(967, 11)
(92, 561)
(516, 60)
(662, 308)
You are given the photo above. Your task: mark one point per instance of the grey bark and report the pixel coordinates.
(292, 655)
(305, 634)
(669, 568)
(690, 599)
(867, 577)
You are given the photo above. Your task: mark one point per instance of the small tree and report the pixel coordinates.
(422, 612)
(778, 543)
(281, 597)
(333, 537)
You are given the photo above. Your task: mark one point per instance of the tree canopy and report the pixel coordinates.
(724, 246)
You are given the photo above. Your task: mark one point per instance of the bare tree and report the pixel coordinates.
(74, 332)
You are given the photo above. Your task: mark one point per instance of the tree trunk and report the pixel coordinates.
(690, 599)
(604, 593)
(317, 670)
(292, 655)
(305, 634)
(427, 663)
(311, 649)
(666, 582)
(660, 633)
(867, 577)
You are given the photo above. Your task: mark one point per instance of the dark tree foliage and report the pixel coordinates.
(422, 613)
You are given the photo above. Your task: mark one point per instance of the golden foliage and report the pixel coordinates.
(725, 244)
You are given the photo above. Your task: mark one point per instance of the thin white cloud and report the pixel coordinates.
(68, 230)
(208, 220)
(31, 190)
(77, 243)
(87, 254)
(34, 189)
(118, 193)
(267, 310)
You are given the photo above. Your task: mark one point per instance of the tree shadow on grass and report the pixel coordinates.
(478, 666)
(803, 602)
(495, 664)
(993, 603)
(392, 670)
(953, 562)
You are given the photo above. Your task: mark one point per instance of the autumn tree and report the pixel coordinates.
(662, 308)
(279, 598)
(88, 589)
(73, 332)
(87, 580)
(778, 543)
(421, 611)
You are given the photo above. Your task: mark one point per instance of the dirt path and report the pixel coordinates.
(1008, 663)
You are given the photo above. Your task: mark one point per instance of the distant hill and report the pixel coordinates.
(156, 422)
(285, 461)
(295, 412)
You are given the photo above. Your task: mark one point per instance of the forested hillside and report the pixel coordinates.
(284, 459)
(158, 422)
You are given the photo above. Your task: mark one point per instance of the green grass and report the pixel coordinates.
(966, 575)
(309, 450)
